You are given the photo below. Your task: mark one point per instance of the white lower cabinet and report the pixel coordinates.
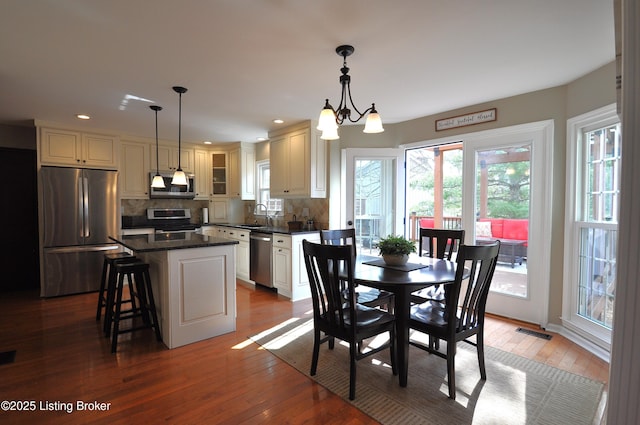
(242, 251)
(289, 273)
(194, 293)
(281, 264)
(242, 248)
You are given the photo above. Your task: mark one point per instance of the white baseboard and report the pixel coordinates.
(581, 341)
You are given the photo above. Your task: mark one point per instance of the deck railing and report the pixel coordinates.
(452, 223)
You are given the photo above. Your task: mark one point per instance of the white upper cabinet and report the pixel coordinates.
(298, 163)
(134, 170)
(168, 158)
(242, 162)
(202, 171)
(73, 148)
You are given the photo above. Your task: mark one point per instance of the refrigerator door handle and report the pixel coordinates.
(71, 249)
(80, 197)
(85, 200)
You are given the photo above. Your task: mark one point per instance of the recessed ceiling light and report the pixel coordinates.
(83, 117)
(278, 121)
(261, 139)
(207, 142)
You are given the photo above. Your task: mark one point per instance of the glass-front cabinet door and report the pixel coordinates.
(220, 173)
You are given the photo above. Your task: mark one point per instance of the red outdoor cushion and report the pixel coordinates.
(427, 223)
(516, 228)
(509, 228)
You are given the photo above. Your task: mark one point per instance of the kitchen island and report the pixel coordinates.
(193, 280)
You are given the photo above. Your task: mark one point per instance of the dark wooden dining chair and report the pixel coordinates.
(371, 297)
(348, 321)
(436, 243)
(462, 314)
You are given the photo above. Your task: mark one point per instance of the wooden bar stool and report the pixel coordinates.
(137, 274)
(107, 269)
(112, 280)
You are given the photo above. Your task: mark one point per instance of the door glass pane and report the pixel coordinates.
(374, 187)
(434, 188)
(503, 196)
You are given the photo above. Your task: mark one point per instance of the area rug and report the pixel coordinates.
(517, 390)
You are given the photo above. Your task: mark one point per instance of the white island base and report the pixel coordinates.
(194, 291)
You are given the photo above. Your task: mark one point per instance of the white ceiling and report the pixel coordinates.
(246, 62)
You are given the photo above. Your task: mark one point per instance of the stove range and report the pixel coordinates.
(168, 220)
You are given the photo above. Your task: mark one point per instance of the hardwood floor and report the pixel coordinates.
(62, 358)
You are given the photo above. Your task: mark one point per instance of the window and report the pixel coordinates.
(593, 195)
(274, 205)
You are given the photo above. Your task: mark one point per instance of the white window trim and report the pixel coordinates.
(590, 331)
(261, 212)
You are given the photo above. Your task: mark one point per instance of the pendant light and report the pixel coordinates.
(331, 118)
(158, 181)
(179, 178)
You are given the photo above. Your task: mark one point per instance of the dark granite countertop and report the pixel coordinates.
(168, 241)
(263, 229)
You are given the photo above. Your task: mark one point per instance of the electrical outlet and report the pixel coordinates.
(305, 212)
(290, 209)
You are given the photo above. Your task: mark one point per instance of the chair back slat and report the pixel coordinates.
(441, 243)
(466, 307)
(339, 237)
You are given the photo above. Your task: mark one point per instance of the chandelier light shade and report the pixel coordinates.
(179, 178)
(158, 181)
(330, 118)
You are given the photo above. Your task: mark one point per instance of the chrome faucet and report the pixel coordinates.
(266, 213)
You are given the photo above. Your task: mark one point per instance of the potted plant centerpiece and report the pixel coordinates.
(395, 250)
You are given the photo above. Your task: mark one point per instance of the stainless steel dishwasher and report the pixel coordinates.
(260, 258)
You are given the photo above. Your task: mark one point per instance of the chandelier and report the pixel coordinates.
(331, 118)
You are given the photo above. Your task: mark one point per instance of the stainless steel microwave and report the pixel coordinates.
(170, 191)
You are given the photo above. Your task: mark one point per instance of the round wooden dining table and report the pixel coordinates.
(418, 273)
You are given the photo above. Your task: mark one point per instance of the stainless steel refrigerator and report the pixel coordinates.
(79, 212)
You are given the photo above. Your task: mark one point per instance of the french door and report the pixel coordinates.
(513, 164)
(372, 199)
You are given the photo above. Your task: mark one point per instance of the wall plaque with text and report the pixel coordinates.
(468, 119)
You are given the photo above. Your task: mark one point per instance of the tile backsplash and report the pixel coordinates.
(318, 211)
(139, 206)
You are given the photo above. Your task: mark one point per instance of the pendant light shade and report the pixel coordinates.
(327, 120)
(158, 181)
(330, 134)
(373, 123)
(179, 178)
